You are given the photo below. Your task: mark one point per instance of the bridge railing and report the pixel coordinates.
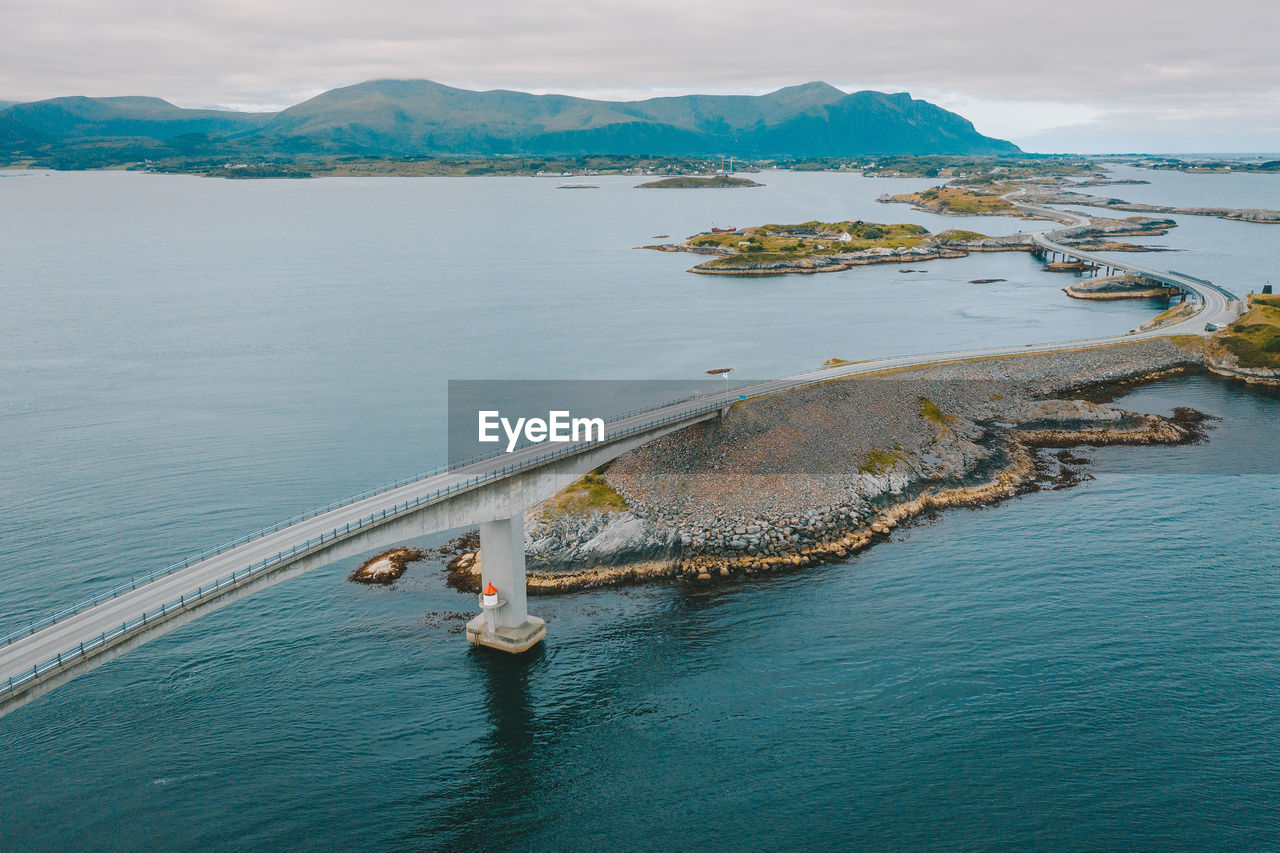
(132, 584)
(185, 601)
(1222, 290)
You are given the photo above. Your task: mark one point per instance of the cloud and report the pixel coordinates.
(1029, 67)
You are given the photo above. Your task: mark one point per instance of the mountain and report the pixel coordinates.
(411, 117)
(152, 118)
(423, 118)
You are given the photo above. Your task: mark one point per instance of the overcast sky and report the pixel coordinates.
(1087, 75)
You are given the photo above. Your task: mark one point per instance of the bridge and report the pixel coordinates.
(491, 493)
(1220, 304)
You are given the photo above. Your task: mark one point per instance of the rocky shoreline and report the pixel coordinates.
(1226, 365)
(386, 568)
(1096, 236)
(745, 265)
(1117, 287)
(1259, 215)
(754, 493)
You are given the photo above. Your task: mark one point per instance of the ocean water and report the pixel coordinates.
(182, 360)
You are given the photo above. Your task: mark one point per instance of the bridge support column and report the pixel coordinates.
(508, 626)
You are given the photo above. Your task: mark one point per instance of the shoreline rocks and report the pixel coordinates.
(1258, 215)
(1117, 287)
(753, 493)
(1095, 236)
(386, 568)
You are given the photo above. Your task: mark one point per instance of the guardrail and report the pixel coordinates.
(1226, 293)
(134, 582)
(238, 577)
(1156, 274)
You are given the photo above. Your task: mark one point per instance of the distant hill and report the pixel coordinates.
(151, 118)
(422, 118)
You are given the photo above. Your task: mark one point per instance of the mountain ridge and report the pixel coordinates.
(425, 118)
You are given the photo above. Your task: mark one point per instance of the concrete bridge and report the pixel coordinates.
(491, 493)
(1220, 304)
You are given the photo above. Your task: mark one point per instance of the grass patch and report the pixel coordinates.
(788, 242)
(879, 461)
(590, 494)
(689, 182)
(1255, 337)
(929, 411)
(959, 235)
(958, 200)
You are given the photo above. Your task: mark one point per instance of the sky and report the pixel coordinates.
(1088, 76)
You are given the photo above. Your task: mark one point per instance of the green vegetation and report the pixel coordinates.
(929, 411)
(341, 167)
(788, 242)
(958, 200)
(1255, 337)
(1213, 165)
(879, 461)
(591, 493)
(980, 169)
(415, 118)
(690, 182)
(959, 235)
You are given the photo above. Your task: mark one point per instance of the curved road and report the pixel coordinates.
(90, 627)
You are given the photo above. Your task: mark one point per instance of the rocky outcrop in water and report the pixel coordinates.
(1117, 287)
(1260, 215)
(816, 473)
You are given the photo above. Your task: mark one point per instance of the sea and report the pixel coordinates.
(185, 359)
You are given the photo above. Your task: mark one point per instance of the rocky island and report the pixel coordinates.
(1259, 215)
(993, 199)
(1108, 287)
(750, 494)
(814, 247)
(957, 201)
(692, 182)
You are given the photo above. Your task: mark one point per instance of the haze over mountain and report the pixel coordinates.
(423, 118)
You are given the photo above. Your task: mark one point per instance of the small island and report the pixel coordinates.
(957, 201)
(386, 568)
(690, 182)
(813, 247)
(1108, 287)
(1049, 196)
(809, 247)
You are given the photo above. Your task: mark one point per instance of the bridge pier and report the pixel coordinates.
(508, 626)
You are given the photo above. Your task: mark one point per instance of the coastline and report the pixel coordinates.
(951, 244)
(1014, 460)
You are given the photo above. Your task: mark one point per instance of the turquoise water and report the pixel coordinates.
(183, 360)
